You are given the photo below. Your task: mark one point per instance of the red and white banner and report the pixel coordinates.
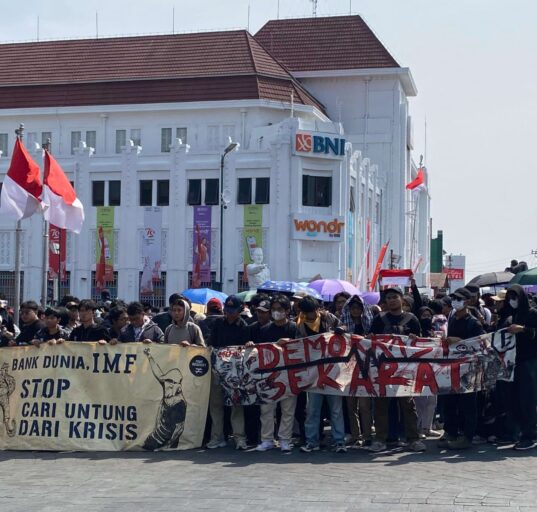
(349, 365)
(395, 277)
(21, 188)
(454, 274)
(57, 241)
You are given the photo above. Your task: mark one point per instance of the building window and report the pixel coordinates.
(91, 139)
(165, 140)
(114, 193)
(121, 139)
(244, 193)
(136, 136)
(46, 138)
(212, 191)
(111, 286)
(146, 192)
(163, 192)
(158, 298)
(242, 282)
(205, 284)
(76, 137)
(3, 144)
(316, 190)
(31, 140)
(194, 192)
(181, 133)
(97, 193)
(213, 137)
(262, 190)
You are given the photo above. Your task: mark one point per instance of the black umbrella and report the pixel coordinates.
(492, 278)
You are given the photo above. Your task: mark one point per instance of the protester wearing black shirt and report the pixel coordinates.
(460, 410)
(30, 323)
(396, 321)
(228, 331)
(52, 330)
(89, 330)
(262, 313)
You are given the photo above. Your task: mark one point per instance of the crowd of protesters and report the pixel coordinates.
(504, 415)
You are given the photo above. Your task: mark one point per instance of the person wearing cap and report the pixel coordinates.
(396, 321)
(475, 307)
(523, 324)
(89, 330)
(280, 330)
(214, 310)
(231, 330)
(313, 321)
(357, 318)
(183, 331)
(262, 313)
(460, 409)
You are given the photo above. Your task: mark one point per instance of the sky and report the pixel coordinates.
(473, 64)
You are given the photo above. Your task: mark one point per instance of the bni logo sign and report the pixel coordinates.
(304, 142)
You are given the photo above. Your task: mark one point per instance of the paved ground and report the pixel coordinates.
(483, 479)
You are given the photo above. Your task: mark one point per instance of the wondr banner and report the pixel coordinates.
(383, 366)
(86, 396)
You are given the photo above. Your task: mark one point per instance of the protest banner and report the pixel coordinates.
(151, 248)
(86, 396)
(349, 365)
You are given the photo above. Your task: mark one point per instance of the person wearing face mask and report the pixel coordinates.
(280, 330)
(312, 321)
(460, 410)
(523, 323)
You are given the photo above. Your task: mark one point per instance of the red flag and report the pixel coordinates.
(418, 183)
(57, 252)
(380, 259)
(64, 208)
(22, 185)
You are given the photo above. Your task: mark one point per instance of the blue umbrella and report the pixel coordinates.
(203, 295)
(288, 288)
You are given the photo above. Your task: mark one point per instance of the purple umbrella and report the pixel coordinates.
(370, 298)
(330, 287)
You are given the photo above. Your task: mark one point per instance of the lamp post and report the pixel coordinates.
(223, 205)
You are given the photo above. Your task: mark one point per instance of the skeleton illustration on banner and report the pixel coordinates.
(349, 365)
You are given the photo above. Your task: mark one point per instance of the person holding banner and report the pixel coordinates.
(52, 332)
(460, 409)
(403, 323)
(280, 330)
(140, 327)
(30, 323)
(229, 331)
(313, 321)
(89, 330)
(183, 330)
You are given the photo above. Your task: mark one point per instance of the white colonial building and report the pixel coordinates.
(319, 108)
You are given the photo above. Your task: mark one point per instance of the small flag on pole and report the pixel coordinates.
(418, 183)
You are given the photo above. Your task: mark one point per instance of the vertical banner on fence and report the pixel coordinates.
(151, 248)
(252, 231)
(104, 269)
(350, 246)
(201, 246)
(56, 253)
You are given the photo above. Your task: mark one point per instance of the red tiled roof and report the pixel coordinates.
(316, 44)
(149, 69)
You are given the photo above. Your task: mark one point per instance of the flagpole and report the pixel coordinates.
(44, 282)
(20, 134)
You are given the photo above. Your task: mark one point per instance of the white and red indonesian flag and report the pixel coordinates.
(399, 277)
(418, 183)
(63, 207)
(22, 186)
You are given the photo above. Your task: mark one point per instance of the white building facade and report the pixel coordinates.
(326, 168)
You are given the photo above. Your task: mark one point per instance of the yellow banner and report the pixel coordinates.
(86, 396)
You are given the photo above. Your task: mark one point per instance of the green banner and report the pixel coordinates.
(104, 265)
(252, 232)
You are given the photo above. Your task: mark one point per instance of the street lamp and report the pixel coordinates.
(224, 200)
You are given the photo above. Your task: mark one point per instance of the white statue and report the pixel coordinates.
(258, 272)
